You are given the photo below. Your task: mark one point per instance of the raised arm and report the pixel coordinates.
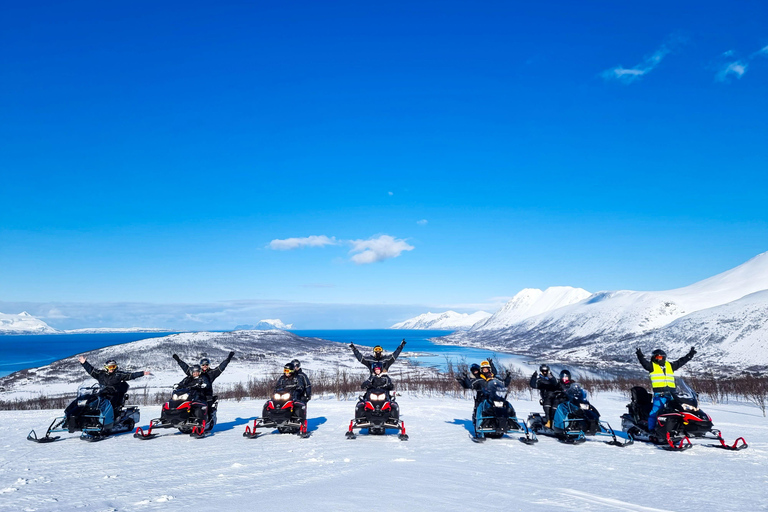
(643, 361)
(357, 353)
(184, 366)
(687, 357)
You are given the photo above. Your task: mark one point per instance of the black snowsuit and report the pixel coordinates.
(381, 382)
(211, 373)
(368, 361)
(199, 386)
(549, 389)
(113, 385)
(295, 386)
(307, 385)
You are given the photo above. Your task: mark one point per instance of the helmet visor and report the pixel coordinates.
(110, 366)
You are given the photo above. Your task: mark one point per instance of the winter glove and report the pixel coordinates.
(692, 352)
(639, 352)
(176, 357)
(231, 354)
(352, 346)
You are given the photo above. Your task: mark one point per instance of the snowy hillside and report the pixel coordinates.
(24, 323)
(265, 325)
(110, 330)
(257, 353)
(724, 316)
(448, 321)
(439, 468)
(531, 302)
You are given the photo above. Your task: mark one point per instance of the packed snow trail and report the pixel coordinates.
(439, 468)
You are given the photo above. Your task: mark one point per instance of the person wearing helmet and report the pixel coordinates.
(205, 367)
(466, 379)
(112, 381)
(565, 380)
(548, 387)
(291, 383)
(197, 382)
(378, 356)
(379, 381)
(662, 374)
(305, 380)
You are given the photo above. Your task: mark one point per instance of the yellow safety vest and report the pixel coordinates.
(662, 379)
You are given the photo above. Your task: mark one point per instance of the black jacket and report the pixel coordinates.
(386, 361)
(307, 385)
(292, 384)
(200, 384)
(546, 385)
(381, 381)
(212, 373)
(110, 381)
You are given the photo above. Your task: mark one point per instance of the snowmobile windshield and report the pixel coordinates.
(93, 389)
(683, 390)
(576, 393)
(496, 390)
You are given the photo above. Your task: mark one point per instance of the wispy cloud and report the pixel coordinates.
(649, 63)
(381, 248)
(288, 244)
(736, 68)
(422, 222)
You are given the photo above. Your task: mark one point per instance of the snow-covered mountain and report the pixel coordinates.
(725, 316)
(24, 323)
(265, 325)
(531, 302)
(448, 321)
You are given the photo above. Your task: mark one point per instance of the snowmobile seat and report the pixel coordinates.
(641, 403)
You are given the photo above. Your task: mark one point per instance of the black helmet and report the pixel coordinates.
(205, 362)
(658, 356)
(111, 364)
(544, 369)
(565, 376)
(289, 369)
(195, 368)
(296, 364)
(475, 368)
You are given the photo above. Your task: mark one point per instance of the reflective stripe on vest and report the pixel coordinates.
(661, 379)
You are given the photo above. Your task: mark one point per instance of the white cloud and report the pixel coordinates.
(629, 75)
(736, 68)
(422, 222)
(391, 193)
(378, 249)
(762, 51)
(299, 243)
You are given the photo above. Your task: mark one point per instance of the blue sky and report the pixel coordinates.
(451, 153)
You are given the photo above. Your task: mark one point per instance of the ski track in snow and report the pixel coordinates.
(439, 468)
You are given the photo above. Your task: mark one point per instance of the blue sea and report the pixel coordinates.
(29, 351)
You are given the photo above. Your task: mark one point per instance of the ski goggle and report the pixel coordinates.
(204, 365)
(378, 349)
(286, 371)
(544, 372)
(111, 367)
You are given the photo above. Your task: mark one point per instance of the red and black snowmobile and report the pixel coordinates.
(283, 413)
(377, 411)
(187, 410)
(678, 421)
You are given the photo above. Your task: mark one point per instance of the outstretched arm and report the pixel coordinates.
(357, 353)
(398, 350)
(687, 357)
(184, 366)
(643, 361)
(214, 373)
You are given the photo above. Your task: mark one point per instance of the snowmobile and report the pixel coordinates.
(92, 414)
(678, 421)
(279, 412)
(575, 418)
(377, 411)
(180, 412)
(495, 416)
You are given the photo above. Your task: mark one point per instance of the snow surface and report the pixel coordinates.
(447, 321)
(24, 323)
(439, 468)
(531, 302)
(266, 324)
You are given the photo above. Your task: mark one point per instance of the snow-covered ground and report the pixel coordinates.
(449, 320)
(439, 468)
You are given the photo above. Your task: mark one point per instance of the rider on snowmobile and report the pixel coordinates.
(548, 386)
(197, 380)
(291, 383)
(378, 356)
(565, 381)
(205, 366)
(305, 380)
(379, 380)
(662, 374)
(113, 381)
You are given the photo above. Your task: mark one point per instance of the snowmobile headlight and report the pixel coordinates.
(182, 396)
(687, 407)
(378, 397)
(282, 396)
(497, 403)
(584, 406)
